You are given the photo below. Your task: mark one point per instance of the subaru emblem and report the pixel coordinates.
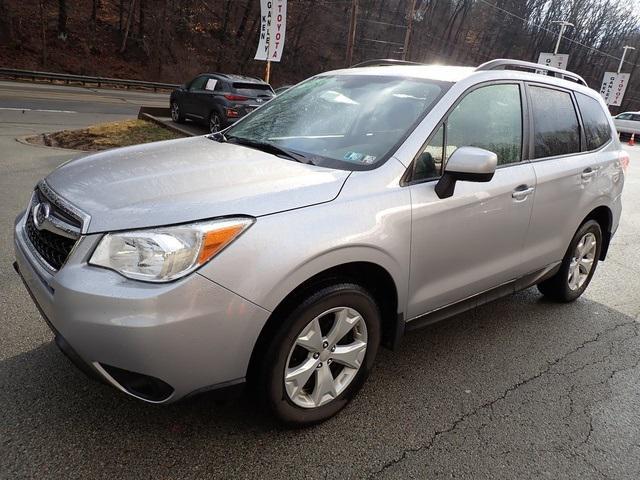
(41, 214)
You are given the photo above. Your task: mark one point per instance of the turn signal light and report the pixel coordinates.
(215, 240)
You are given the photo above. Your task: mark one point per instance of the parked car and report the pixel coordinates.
(364, 203)
(627, 123)
(218, 100)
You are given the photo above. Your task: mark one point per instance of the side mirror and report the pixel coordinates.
(469, 164)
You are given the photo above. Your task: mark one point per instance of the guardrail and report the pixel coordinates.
(83, 79)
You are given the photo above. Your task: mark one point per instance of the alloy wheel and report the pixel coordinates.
(582, 261)
(325, 357)
(175, 112)
(214, 123)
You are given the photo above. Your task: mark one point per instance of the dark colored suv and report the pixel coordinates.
(218, 99)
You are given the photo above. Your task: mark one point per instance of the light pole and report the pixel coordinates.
(624, 54)
(563, 26)
(407, 35)
(351, 40)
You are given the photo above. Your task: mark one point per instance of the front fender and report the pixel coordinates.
(280, 252)
(335, 258)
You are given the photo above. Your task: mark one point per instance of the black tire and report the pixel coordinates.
(176, 112)
(557, 287)
(215, 122)
(271, 371)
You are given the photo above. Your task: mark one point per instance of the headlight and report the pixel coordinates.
(166, 253)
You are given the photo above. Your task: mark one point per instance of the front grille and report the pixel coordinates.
(51, 247)
(54, 249)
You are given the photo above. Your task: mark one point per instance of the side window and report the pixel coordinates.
(211, 84)
(596, 124)
(489, 117)
(198, 84)
(555, 124)
(635, 118)
(624, 116)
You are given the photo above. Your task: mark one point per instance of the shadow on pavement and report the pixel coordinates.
(442, 378)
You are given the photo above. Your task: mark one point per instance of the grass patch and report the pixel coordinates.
(106, 135)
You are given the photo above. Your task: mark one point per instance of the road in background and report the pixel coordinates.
(38, 108)
(60, 98)
(519, 388)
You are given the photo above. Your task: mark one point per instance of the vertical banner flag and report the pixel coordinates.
(557, 60)
(613, 87)
(273, 25)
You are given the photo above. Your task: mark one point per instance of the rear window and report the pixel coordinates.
(252, 89)
(555, 123)
(596, 124)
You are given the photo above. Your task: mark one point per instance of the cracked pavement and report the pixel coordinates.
(519, 388)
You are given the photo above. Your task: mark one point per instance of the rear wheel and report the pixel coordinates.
(215, 122)
(176, 113)
(578, 266)
(321, 355)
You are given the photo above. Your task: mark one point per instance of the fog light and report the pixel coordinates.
(231, 113)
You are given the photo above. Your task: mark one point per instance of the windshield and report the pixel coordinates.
(344, 121)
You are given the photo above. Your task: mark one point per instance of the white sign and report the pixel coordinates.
(557, 60)
(211, 84)
(613, 87)
(273, 25)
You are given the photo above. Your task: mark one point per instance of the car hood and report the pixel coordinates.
(185, 180)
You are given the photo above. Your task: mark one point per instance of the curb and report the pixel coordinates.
(23, 141)
(151, 114)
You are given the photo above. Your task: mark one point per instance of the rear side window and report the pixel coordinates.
(555, 123)
(635, 118)
(596, 124)
(198, 83)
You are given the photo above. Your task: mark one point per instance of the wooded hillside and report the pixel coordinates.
(171, 40)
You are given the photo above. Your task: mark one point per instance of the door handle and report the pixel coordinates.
(521, 192)
(588, 173)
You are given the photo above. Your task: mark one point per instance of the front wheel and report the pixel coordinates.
(578, 266)
(321, 355)
(176, 113)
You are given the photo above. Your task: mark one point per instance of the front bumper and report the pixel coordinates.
(191, 334)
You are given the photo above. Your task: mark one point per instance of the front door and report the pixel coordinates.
(194, 98)
(472, 241)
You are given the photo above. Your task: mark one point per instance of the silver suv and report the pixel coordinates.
(356, 206)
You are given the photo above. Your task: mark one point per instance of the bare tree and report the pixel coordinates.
(62, 19)
(43, 32)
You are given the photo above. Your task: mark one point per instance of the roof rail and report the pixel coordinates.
(383, 63)
(504, 64)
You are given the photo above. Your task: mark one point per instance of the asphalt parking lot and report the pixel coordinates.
(520, 388)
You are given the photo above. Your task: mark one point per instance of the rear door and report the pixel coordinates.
(568, 161)
(472, 241)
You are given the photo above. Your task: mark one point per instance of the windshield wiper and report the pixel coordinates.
(267, 147)
(219, 137)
